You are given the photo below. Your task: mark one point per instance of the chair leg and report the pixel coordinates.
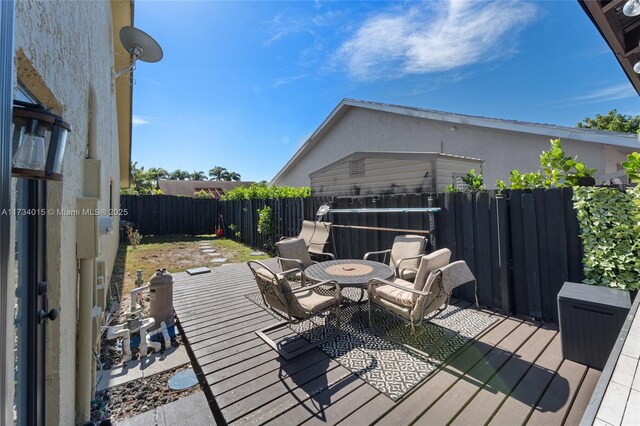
(262, 333)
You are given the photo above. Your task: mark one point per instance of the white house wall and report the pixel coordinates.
(363, 129)
(63, 48)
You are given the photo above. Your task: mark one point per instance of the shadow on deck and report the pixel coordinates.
(511, 373)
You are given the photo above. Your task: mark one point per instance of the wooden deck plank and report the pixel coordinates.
(370, 412)
(412, 406)
(465, 388)
(557, 400)
(517, 408)
(583, 396)
(290, 391)
(487, 400)
(315, 407)
(252, 385)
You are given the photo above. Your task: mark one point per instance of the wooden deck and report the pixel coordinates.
(512, 373)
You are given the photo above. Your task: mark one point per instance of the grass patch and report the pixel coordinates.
(176, 253)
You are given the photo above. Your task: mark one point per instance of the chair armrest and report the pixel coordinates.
(329, 255)
(378, 281)
(399, 262)
(367, 255)
(303, 277)
(320, 284)
(297, 261)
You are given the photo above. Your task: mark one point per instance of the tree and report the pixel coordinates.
(218, 173)
(233, 176)
(198, 175)
(158, 173)
(613, 122)
(178, 174)
(141, 181)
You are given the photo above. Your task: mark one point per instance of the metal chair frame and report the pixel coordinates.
(267, 286)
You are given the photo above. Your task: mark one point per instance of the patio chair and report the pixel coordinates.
(316, 236)
(404, 255)
(292, 254)
(293, 306)
(425, 298)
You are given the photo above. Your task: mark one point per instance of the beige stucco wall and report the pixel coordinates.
(63, 48)
(370, 130)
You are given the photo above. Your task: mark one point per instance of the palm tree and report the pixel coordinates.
(158, 173)
(178, 174)
(234, 176)
(217, 173)
(198, 175)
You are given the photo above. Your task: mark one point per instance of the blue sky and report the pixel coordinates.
(243, 84)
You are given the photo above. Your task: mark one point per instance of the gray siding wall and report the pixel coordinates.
(369, 130)
(389, 176)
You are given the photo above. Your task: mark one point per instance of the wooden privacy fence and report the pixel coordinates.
(521, 245)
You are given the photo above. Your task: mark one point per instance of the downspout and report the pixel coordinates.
(84, 345)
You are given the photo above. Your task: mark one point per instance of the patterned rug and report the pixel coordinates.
(389, 367)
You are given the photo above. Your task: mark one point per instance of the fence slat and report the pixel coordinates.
(531, 267)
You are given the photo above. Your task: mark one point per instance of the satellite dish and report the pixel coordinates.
(324, 209)
(140, 45)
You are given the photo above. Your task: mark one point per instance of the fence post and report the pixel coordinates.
(501, 212)
(432, 222)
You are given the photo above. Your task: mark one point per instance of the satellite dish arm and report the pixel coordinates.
(135, 54)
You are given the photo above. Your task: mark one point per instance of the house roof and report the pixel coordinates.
(547, 130)
(397, 155)
(189, 187)
(621, 32)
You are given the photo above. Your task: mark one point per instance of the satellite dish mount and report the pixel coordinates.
(140, 45)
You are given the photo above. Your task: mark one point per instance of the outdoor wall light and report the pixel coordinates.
(631, 8)
(636, 67)
(39, 139)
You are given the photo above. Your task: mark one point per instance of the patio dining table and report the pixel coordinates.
(349, 273)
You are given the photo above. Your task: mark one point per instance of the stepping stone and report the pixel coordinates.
(198, 271)
(257, 253)
(183, 380)
(219, 260)
(214, 254)
(209, 250)
(205, 246)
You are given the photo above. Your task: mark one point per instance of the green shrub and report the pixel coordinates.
(632, 167)
(266, 226)
(558, 171)
(473, 182)
(202, 194)
(262, 191)
(610, 232)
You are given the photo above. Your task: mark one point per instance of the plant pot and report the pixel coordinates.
(586, 181)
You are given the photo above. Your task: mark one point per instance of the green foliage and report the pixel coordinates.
(473, 182)
(610, 233)
(142, 182)
(632, 167)
(613, 122)
(501, 185)
(262, 191)
(133, 236)
(202, 194)
(266, 226)
(558, 170)
(220, 173)
(198, 175)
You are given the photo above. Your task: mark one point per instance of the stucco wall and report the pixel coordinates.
(62, 49)
(369, 130)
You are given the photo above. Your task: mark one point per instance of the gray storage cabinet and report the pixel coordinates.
(590, 320)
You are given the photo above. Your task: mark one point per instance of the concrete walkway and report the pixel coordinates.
(190, 411)
(137, 369)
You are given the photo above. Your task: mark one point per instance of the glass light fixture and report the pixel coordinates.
(631, 8)
(636, 67)
(39, 140)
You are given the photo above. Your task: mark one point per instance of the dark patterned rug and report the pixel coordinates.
(385, 365)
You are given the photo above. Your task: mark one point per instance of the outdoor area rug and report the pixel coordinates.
(385, 365)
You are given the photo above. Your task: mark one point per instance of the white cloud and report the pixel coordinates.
(286, 80)
(136, 120)
(434, 37)
(604, 94)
